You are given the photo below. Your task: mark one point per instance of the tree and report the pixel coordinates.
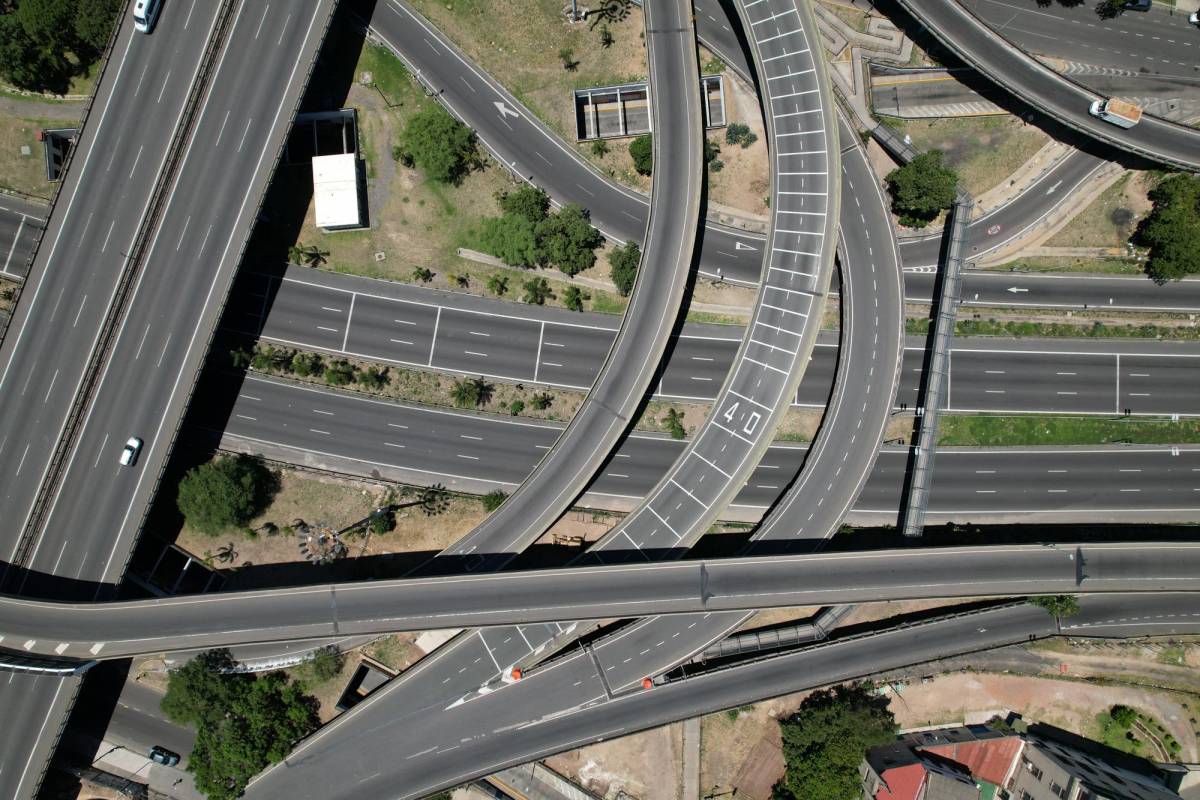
(826, 739)
(340, 373)
(315, 256)
(465, 394)
(484, 391)
(674, 422)
(529, 202)
(1172, 229)
(441, 146)
(306, 364)
(94, 22)
(567, 240)
(223, 493)
(739, 133)
(434, 500)
(606, 37)
(374, 378)
(28, 63)
(542, 401)
(574, 297)
(1110, 9)
(255, 725)
(712, 148)
(642, 151)
(624, 262)
(381, 521)
(1059, 606)
(239, 358)
(497, 284)
(537, 291)
(510, 238)
(493, 500)
(922, 188)
(422, 274)
(1123, 715)
(567, 56)
(50, 23)
(322, 666)
(600, 148)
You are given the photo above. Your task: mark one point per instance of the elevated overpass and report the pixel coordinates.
(93, 631)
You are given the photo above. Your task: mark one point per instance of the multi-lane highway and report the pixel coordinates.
(480, 452)
(696, 589)
(428, 745)
(101, 207)
(1156, 43)
(449, 332)
(1032, 83)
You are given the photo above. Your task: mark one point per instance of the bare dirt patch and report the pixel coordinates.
(1069, 705)
(645, 765)
(1110, 219)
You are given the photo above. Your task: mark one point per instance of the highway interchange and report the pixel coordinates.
(141, 312)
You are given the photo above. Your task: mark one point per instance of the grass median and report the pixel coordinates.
(1014, 431)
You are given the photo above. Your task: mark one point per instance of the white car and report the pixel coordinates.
(145, 14)
(130, 452)
(1194, 18)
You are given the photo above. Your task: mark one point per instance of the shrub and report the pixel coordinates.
(624, 262)
(441, 146)
(493, 500)
(642, 151)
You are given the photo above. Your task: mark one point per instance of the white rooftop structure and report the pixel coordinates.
(335, 185)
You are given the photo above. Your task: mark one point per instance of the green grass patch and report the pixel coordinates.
(1096, 330)
(1004, 431)
(984, 151)
(1098, 266)
(388, 73)
(24, 173)
(1118, 737)
(608, 303)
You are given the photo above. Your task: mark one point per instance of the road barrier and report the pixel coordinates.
(935, 379)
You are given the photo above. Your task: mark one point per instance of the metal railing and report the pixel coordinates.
(936, 377)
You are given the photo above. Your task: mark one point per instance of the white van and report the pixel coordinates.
(145, 13)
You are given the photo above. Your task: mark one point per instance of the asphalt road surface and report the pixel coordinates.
(695, 589)
(196, 248)
(82, 256)
(428, 746)
(638, 347)
(477, 453)
(1158, 42)
(68, 290)
(411, 326)
(531, 151)
(1031, 82)
(20, 224)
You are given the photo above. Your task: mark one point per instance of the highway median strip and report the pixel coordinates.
(1083, 329)
(1015, 431)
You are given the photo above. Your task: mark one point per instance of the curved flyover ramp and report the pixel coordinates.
(1042, 88)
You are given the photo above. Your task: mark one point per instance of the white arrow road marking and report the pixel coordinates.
(1052, 188)
(504, 109)
(740, 246)
(1016, 290)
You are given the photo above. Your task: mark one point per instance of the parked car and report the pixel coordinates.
(162, 755)
(130, 452)
(1138, 5)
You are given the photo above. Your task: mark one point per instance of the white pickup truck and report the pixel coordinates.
(1118, 112)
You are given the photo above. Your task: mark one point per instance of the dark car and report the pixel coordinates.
(1137, 5)
(163, 756)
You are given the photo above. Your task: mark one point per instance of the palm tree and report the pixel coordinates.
(483, 391)
(315, 256)
(465, 394)
(434, 500)
(226, 554)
